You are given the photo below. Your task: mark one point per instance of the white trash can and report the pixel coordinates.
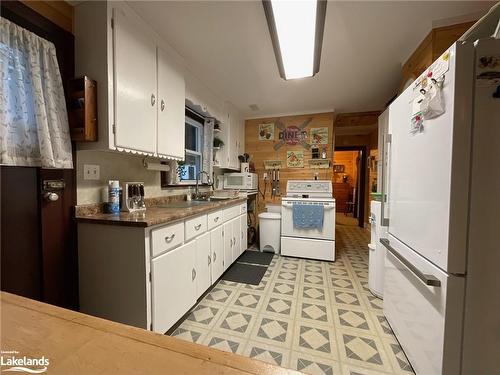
(270, 232)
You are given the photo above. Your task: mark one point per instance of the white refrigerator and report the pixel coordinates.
(442, 266)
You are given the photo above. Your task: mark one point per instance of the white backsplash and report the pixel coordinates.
(117, 166)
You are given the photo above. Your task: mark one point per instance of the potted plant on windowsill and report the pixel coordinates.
(218, 143)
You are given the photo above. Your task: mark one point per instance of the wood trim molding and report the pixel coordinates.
(57, 11)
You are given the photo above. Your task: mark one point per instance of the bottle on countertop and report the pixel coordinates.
(114, 196)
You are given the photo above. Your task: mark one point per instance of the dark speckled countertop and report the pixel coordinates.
(153, 215)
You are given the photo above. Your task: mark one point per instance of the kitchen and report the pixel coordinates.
(185, 142)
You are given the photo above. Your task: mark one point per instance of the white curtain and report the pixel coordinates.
(34, 127)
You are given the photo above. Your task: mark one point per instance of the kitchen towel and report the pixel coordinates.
(308, 216)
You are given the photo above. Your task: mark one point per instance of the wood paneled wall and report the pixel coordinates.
(263, 150)
(58, 11)
(433, 46)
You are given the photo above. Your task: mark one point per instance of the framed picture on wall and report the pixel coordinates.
(295, 159)
(339, 168)
(266, 131)
(319, 136)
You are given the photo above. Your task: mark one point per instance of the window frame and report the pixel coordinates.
(199, 143)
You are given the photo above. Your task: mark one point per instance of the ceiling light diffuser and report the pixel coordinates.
(296, 29)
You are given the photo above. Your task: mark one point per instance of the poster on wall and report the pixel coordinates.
(295, 159)
(319, 136)
(266, 131)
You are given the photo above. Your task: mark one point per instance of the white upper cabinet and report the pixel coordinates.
(135, 85)
(171, 102)
(233, 136)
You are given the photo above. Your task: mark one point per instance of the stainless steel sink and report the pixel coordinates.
(184, 204)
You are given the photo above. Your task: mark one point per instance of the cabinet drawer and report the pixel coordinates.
(166, 238)
(243, 208)
(196, 226)
(231, 212)
(214, 219)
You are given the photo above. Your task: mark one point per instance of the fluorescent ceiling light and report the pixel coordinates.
(296, 29)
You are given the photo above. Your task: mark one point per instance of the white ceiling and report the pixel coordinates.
(227, 45)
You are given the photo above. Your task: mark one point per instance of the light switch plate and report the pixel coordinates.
(91, 172)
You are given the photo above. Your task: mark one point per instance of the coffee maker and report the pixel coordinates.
(133, 197)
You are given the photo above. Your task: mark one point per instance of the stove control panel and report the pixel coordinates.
(309, 188)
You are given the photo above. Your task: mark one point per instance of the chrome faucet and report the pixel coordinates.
(209, 182)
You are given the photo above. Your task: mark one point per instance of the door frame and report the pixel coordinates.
(361, 192)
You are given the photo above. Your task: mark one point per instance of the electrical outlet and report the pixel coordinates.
(265, 176)
(91, 172)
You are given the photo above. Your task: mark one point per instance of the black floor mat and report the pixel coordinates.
(245, 273)
(256, 257)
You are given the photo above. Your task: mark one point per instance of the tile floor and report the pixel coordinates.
(312, 316)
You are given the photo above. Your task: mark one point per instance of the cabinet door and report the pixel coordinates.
(173, 286)
(171, 107)
(235, 223)
(234, 138)
(228, 244)
(203, 264)
(241, 137)
(134, 79)
(244, 233)
(217, 248)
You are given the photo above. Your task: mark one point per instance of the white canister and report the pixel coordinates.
(245, 167)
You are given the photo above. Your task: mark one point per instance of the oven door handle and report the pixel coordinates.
(430, 280)
(326, 206)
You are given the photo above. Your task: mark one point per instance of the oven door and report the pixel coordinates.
(325, 233)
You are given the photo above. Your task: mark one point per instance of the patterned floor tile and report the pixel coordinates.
(235, 322)
(363, 350)
(227, 343)
(309, 364)
(314, 340)
(190, 333)
(313, 316)
(275, 355)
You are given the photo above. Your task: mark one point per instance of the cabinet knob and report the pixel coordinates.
(197, 227)
(153, 100)
(162, 105)
(193, 274)
(216, 219)
(209, 260)
(215, 256)
(170, 238)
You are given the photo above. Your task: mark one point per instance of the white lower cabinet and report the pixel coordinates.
(151, 277)
(173, 286)
(217, 248)
(227, 233)
(236, 236)
(203, 277)
(244, 233)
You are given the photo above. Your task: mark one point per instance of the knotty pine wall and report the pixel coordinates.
(263, 150)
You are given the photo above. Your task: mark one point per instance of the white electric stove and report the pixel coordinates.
(312, 243)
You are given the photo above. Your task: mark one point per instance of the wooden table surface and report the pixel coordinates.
(76, 343)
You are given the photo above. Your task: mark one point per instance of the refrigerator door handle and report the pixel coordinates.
(426, 279)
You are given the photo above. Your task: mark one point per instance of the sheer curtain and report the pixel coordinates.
(34, 127)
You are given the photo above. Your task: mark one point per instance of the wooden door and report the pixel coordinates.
(171, 108)
(38, 237)
(217, 248)
(134, 85)
(203, 264)
(173, 286)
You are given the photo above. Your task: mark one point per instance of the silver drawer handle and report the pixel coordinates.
(162, 105)
(209, 260)
(216, 219)
(153, 100)
(215, 256)
(169, 238)
(193, 274)
(197, 227)
(430, 280)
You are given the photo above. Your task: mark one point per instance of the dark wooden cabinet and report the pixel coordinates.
(82, 109)
(342, 192)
